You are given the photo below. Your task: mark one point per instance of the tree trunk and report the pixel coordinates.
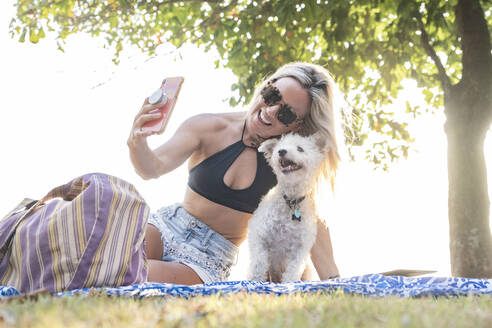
(468, 202)
(468, 108)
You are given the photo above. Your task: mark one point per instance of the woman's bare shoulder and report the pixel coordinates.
(214, 122)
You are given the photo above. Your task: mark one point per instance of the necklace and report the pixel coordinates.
(294, 205)
(255, 142)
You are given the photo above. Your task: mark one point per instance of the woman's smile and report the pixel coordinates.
(262, 118)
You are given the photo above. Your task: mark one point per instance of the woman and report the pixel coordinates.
(197, 241)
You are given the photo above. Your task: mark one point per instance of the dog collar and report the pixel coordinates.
(294, 205)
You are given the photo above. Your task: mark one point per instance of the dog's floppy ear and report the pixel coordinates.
(321, 142)
(267, 146)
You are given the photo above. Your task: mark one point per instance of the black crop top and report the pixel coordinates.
(207, 179)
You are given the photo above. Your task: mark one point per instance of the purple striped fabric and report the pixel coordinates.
(91, 237)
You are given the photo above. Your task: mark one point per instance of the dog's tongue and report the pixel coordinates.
(285, 163)
(289, 168)
(288, 165)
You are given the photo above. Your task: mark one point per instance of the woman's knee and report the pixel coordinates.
(153, 243)
(172, 272)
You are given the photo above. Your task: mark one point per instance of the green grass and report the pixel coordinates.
(242, 310)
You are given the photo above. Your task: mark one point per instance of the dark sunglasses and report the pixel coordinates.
(271, 96)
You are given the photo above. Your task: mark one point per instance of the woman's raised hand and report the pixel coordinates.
(143, 117)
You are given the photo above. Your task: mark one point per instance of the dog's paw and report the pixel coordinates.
(291, 274)
(256, 273)
(257, 278)
(290, 279)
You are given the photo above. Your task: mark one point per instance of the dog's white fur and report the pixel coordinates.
(279, 246)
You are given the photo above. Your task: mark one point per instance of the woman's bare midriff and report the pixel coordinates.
(231, 224)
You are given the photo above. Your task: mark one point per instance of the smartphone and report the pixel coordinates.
(169, 89)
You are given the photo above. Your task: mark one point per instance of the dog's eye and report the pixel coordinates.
(300, 149)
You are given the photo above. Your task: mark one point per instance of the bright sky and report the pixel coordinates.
(67, 114)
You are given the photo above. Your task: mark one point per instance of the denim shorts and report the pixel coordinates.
(189, 241)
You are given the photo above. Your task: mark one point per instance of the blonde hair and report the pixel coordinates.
(322, 116)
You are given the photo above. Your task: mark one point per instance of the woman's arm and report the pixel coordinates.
(322, 254)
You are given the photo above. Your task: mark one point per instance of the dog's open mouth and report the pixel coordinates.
(287, 166)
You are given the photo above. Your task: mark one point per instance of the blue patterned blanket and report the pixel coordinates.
(372, 285)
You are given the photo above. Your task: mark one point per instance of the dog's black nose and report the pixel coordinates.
(282, 152)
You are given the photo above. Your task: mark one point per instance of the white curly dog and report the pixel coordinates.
(283, 228)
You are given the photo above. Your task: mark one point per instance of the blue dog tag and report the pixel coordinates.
(297, 215)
